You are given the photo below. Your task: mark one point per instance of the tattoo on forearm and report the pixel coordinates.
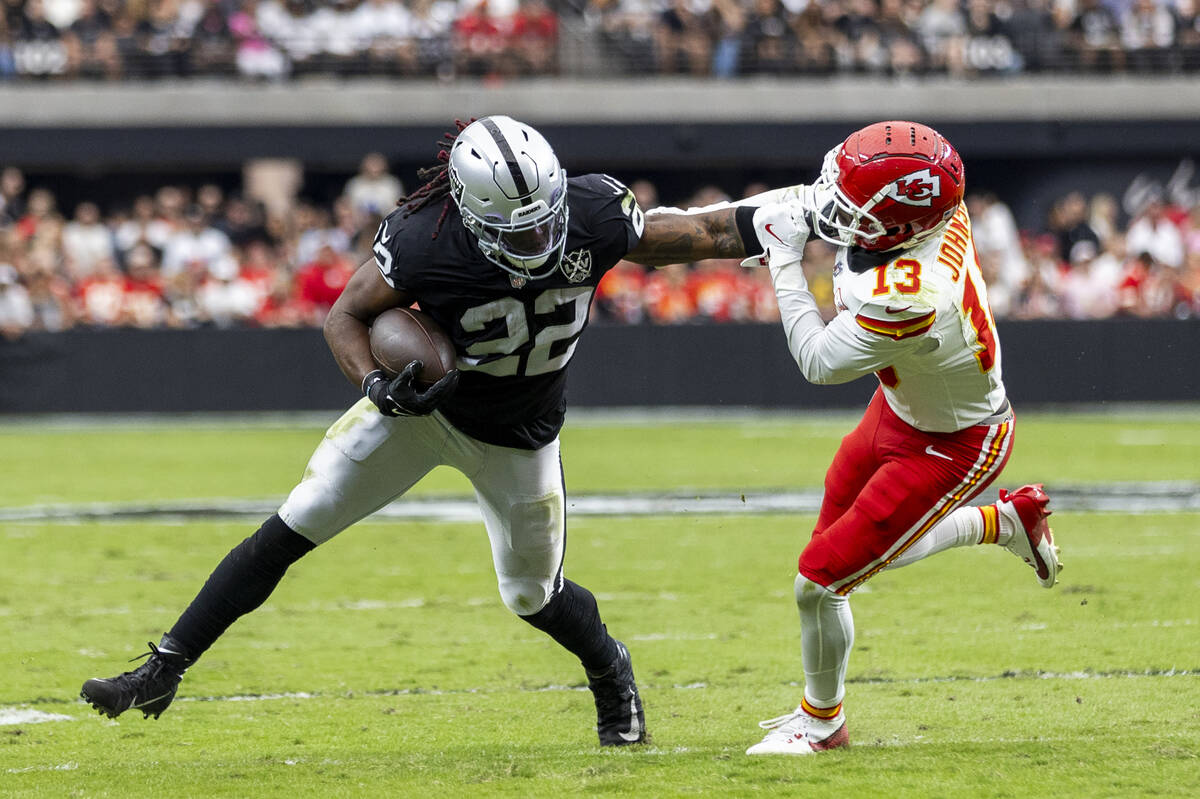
(675, 238)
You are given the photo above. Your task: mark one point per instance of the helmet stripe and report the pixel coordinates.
(510, 157)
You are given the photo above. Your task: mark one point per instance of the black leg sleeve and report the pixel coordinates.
(572, 619)
(240, 583)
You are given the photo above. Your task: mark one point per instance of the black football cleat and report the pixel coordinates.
(148, 688)
(619, 717)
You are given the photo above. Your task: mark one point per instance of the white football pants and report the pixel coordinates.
(366, 460)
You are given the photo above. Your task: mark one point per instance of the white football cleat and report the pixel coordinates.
(799, 733)
(1032, 540)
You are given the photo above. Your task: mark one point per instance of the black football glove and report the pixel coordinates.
(399, 397)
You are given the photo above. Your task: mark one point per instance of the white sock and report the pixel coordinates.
(963, 528)
(826, 636)
(1008, 523)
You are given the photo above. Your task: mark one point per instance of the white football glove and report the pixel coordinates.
(782, 234)
(781, 223)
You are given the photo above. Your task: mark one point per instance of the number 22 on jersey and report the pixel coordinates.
(519, 330)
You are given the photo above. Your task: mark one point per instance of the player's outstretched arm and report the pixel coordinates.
(348, 326)
(676, 238)
(720, 230)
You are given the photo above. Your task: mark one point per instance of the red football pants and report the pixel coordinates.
(889, 483)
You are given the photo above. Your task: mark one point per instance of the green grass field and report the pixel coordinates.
(385, 664)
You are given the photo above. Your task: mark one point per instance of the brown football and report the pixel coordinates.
(402, 335)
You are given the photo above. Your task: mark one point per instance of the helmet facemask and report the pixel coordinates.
(839, 220)
(533, 238)
(512, 195)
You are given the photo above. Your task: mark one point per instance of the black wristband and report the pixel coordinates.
(744, 218)
(371, 379)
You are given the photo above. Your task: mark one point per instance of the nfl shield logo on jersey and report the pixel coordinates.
(577, 265)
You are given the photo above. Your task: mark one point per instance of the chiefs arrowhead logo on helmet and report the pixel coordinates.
(916, 188)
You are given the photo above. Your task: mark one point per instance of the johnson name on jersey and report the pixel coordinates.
(513, 338)
(920, 322)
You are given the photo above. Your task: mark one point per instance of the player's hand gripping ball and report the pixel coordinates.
(416, 360)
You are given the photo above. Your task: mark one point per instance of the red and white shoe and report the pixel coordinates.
(1033, 540)
(799, 733)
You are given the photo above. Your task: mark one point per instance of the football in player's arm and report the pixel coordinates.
(912, 310)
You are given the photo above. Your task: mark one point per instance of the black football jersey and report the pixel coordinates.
(513, 341)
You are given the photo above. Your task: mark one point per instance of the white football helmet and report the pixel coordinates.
(512, 194)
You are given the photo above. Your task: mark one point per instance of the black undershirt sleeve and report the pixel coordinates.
(744, 218)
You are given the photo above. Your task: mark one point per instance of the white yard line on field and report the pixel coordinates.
(1147, 497)
(56, 767)
(24, 715)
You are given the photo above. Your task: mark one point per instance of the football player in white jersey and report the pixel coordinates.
(912, 309)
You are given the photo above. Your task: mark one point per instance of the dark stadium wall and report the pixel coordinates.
(1027, 164)
(136, 371)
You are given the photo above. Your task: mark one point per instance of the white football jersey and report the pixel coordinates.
(920, 322)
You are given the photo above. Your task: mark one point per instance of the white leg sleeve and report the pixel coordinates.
(826, 636)
(962, 528)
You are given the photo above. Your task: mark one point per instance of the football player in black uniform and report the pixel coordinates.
(504, 251)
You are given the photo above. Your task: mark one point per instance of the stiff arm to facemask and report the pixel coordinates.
(801, 195)
(783, 228)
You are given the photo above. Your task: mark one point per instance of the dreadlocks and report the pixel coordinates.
(436, 180)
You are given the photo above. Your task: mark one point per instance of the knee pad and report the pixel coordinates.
(525, 596)
(809, 594)
(312, 509)
(529, 560)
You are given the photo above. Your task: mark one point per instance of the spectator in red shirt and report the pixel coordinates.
(259, 266)
(668, 301)
(321, 281)
(713, 286)
(479, 41)
(620, 292)
(143, 304)
(534, 38)
(41, 209)
(282, 307)
(101, 296)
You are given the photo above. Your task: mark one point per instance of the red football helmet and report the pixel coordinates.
(893, 184)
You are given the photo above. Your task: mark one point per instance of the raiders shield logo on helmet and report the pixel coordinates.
(577, 265)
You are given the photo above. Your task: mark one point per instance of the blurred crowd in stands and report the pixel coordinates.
(186, 257)
(279, 39)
